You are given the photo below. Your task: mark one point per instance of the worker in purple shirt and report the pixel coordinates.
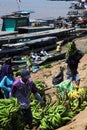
(21, 90)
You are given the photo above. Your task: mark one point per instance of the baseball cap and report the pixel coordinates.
(25, 74)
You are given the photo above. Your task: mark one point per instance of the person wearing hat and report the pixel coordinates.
(73, 56)
(21, 89)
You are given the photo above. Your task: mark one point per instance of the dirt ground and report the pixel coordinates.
(79, 122)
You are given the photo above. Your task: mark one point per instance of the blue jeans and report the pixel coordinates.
(73, 77)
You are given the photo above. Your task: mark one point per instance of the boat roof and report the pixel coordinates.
(23, 12)
(18, 13)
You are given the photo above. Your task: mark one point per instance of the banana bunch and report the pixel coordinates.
(37, 116)
(40, 84)
(36, 111)
(71, 48)
(50, 117)
(33, 102)
(54, 117)
(77, 93)
(50, 122)
(84, 104)
(74, 94)
(10, 114)
(82, 92)
(74, 104)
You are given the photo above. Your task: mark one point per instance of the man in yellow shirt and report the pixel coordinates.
(58, 48)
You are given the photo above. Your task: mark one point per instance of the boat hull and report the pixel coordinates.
(50, 58)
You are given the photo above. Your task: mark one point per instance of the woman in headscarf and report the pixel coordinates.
(4, 68)
(73, 56)
(7, 81)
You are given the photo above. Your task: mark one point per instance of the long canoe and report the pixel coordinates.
(48, 43)
(50, 58)
(13, 51)
(59, 33)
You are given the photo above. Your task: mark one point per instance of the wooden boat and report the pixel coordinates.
(77, 5)
(58, 33)
(13, 51)
(16, 19)
(19, 67)
(17, 63)
(50, 58)
(16, 60)
(18, 22)
(30, 29)
(49, 43)
(5, 33)
(73, 13)
(82, 20)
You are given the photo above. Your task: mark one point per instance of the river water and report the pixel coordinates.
(41, 8)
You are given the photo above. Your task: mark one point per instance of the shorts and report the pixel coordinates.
(73, 77)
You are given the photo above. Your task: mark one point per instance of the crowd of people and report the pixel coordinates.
(21, 87)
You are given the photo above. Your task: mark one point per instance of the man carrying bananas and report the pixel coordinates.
(73, 56)
(21, 90)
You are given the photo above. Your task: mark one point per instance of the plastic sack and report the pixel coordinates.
(35, 69)
(65, 86)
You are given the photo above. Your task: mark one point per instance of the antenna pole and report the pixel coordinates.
(18, 4)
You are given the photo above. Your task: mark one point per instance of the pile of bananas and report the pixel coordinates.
(54, 117)
(77, 93)
(49, 117)
(10, 115)
(40, 84)
(71, 49)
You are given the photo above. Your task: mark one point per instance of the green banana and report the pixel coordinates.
(65, 119)
(75, 104)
